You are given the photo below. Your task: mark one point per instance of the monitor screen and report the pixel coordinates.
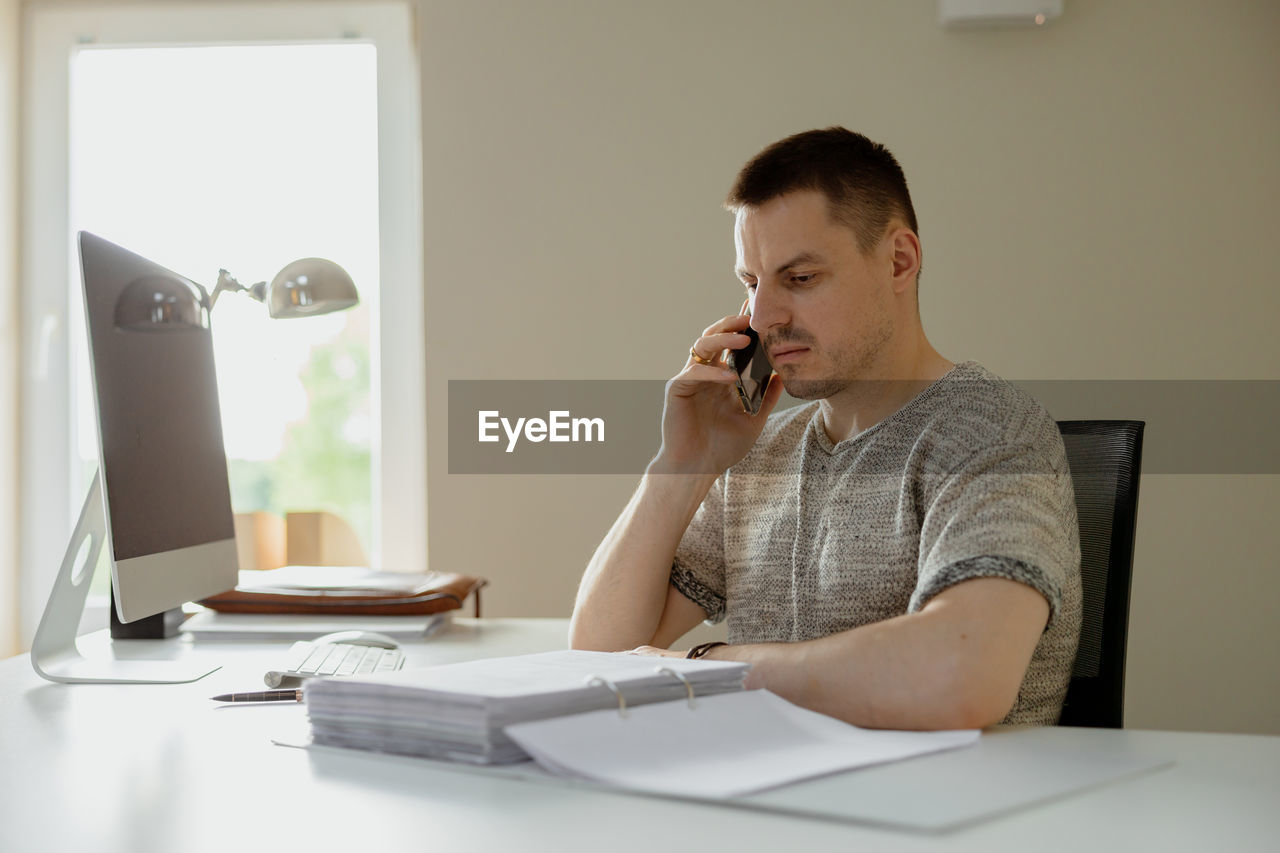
(164, 467)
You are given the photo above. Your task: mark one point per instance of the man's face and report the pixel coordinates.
(823, 310)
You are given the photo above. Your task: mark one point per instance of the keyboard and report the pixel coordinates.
(308, 660)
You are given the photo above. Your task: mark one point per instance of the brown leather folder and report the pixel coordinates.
(433, 592)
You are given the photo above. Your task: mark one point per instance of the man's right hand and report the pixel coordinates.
(626, 598)
(704, 429)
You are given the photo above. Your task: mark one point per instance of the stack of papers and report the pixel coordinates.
(459, 711)
(211, 626)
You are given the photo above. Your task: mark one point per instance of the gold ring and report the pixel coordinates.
(699, 359)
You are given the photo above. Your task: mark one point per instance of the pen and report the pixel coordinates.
(291, 695)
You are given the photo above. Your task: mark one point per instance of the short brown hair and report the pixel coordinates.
(863, 183)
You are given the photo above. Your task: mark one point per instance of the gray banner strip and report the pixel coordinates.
(602, 426)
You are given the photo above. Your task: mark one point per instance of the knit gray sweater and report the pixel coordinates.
(804, 538)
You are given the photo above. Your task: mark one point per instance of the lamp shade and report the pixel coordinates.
(158, 303)
(310, 286)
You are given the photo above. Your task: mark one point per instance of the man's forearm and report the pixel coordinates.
(867, 680)
(859, 676)
(624, 589)
(946, 667)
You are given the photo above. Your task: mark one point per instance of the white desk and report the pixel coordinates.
(105, 768)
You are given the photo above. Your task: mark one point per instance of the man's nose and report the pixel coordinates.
(768, 308)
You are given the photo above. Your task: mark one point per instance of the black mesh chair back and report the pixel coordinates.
(1105, 459)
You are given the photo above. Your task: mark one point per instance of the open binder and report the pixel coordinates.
(647, 724)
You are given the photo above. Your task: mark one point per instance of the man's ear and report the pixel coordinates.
(905, 255)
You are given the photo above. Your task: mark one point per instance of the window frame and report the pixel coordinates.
(51, 33)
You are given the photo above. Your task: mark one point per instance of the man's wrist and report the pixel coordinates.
(695, 472)
(700, 650)
(682, 493)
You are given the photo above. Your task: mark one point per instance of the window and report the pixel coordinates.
(277, 133)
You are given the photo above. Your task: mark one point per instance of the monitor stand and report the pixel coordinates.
(161, 626)
(54, 653)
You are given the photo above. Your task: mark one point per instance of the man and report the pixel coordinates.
(901, 553)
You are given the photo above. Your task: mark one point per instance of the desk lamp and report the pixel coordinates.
(304, 288)
(142, 391)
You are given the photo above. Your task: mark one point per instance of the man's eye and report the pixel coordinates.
(803, 279)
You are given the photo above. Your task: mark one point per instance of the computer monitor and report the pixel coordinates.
(162, 490)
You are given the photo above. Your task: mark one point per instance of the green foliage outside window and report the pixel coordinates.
(322, 466)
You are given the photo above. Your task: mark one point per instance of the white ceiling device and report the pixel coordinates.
(984, 14)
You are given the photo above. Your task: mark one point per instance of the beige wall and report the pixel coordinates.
(1097, 200)
(9, 237)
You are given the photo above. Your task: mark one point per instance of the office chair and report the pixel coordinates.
(1105, 459)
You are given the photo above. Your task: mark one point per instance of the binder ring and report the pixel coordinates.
(594, 680)
(662, 670)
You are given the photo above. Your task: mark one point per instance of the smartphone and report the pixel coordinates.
(753, 368)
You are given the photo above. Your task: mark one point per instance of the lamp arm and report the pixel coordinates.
(227, 283)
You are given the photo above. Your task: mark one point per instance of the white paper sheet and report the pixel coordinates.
(728, 745)
(318, 580)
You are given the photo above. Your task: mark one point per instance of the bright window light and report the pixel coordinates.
(247, 157)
